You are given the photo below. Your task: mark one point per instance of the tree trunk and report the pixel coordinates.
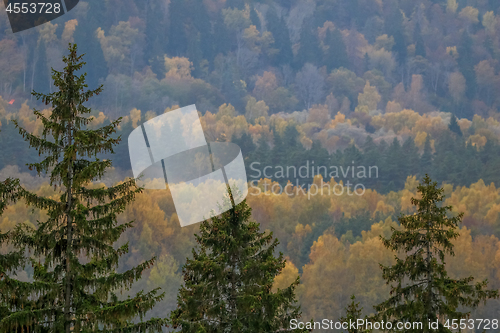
(35, 58)
(429, 272)
(69, 235)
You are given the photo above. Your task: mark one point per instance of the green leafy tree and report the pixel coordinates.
(421, 290)
(72, 251)
(353, 313)
(228, 283)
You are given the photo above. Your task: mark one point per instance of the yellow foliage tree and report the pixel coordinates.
(69, 29)
(226, 110)
(178, 67)
(369, 98)
(489, 22)
(470, 15)
(287, 276)
(265, 85)
(256, 109)
(452, 6)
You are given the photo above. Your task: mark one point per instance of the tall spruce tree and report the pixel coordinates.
(254, 18)
(10, 262)
(421, 290)
(426, 158)
(453, 126)
(177, 35)
(229, 280)
(336, 55)
(466, 63)
(394, 27)
(353, 314)
(309, 50)
(41, 78)
(419, 42)
(88, 42)
(279, 30)
(75, 282)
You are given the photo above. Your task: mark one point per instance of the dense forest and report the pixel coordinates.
(297, 80)
(406, 87)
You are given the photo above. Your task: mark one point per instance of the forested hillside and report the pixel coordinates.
(407, 87)
(420, 55)
(305, 78)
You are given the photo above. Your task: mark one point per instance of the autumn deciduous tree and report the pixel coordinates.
(256, 109)
(67, 293)
(11, 64)
(229, 281)
(310, 85)
(457, 86)
(421, 290)
(368, 100)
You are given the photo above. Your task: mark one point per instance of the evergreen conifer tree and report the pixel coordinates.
(426, 158)
(336, 55)
(254, 18)
(466, 63)
(454, 127)
(221, 36)
(263, 151)
(419, 42)
(411, 157)
(88, 42)
(279, 30)
(201, 21)
(229, 280)
(41, 76)
(421, 290)
(309, 50)
(69, 294)
(394, 163)
(353, 313)
(177, 35)
(394, 27)
(10, 262)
